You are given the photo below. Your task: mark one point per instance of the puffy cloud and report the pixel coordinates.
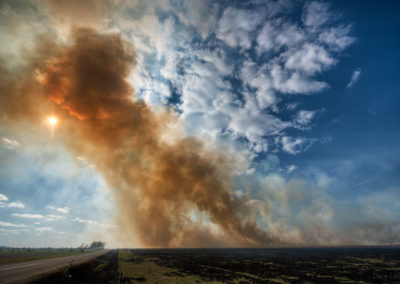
(254, 126)
(304, 117)
(273, 36)
(337, 38)
(85, 221)
(291, 168)
(294, 82)
(3, 197)
(44, 229)
(259, 79)
(16, 205)
(310, 59)
(228, 94)
(6, 224)
(54, 217)
(297, 145)
(200, 15)
(236, 25)
(29, 216)
(354, 77)
(63, 210)
(316, 14)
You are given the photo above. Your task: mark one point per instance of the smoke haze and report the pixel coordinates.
(160, 186)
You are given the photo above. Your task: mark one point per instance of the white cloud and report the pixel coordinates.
(316, 14)
(16, 205)
(235, 26)
(310, 59)
(291, 106)
(29, 216)
(291, 168)
(233, 99)
(3, 197)
(54, 217)
(85, 221)
(259, 79)
(44, 229)
(294, 82)
(337, 38)
(11, 144)
(274, 35)
(63, 210)
(297, 145)
(215, 60)
(6, 224)
(200, 15)
(304, 117)
(266, 38)
(354, 77)
(253, 125)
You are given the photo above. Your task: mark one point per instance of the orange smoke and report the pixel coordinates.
(157, 184)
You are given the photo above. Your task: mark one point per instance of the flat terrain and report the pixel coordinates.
(310, 265)
(21, 255)
(22, 271)
(101, 269)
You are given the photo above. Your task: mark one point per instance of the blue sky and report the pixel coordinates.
(303, 95)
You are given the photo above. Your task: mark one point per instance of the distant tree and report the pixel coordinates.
(83, 246)
(97, 245)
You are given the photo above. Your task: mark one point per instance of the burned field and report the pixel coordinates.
(283, 265)
(312, 265)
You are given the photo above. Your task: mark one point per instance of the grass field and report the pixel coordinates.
(12, 255)
(148, 269)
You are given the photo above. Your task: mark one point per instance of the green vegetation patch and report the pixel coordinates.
(150, 272)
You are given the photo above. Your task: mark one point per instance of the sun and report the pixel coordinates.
(53, 120)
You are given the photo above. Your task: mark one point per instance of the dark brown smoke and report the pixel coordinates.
(159, 186)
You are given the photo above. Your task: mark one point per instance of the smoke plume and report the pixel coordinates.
(169, 194)
(170, 190)
(68, 13)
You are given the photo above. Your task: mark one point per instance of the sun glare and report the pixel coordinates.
(53, 120)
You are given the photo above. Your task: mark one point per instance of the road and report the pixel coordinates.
(23, 271)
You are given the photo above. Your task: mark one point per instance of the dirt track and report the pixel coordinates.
(24, 271)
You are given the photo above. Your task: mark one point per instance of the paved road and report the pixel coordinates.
(22, 271)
